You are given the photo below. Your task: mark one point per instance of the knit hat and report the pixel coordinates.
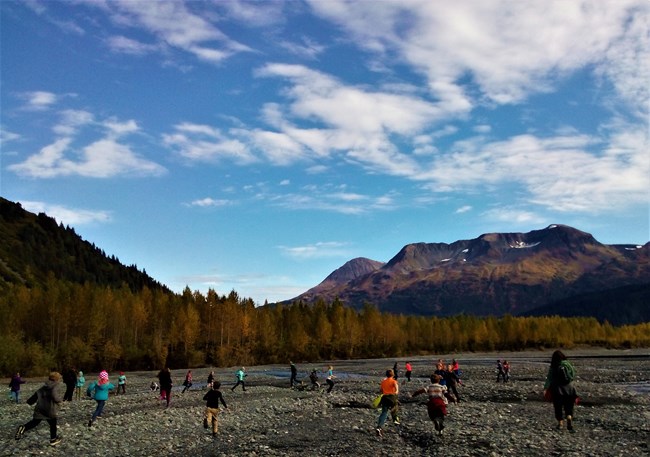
(103, 377)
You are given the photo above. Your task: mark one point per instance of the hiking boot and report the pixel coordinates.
(560, 424)
(20, 432)
(379, 432)
(55, 441)
(569, 423)
(396, 421)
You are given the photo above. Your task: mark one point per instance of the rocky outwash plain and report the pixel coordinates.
(270, 419)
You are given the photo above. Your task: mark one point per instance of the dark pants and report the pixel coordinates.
(408, 376)
(243, 386)
(561, 402)
(294, 379)
(99, 410)
(69, 391)
(34, 422)
(330, 383)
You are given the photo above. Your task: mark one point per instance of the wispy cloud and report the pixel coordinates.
(38, 100)
(68, 216)
(103, 158)
(317, 250)
(210, 202)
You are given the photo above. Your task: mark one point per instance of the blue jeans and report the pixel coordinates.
(385, 408)
(15, 396)
(99, 409)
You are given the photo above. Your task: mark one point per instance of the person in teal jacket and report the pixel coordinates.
(99, 391)
(81, 382)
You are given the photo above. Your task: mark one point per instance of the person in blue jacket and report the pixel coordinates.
(99, 391)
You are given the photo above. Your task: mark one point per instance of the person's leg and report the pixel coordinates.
(52, 423)
(98, 410)
(569, 402)
(557, 408)
(215, 421)
(383, 416)
(14, 396)
(31, 424)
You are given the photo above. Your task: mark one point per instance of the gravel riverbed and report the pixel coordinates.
(270, 419)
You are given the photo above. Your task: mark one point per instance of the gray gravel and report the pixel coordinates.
(270, 419)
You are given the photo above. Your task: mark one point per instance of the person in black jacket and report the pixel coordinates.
(212, 399)
(47, 400)
(165, 378)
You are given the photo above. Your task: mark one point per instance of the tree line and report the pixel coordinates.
(94, 327)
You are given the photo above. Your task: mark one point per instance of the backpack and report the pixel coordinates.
(563, 375)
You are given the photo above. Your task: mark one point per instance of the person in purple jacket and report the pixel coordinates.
(14, 386)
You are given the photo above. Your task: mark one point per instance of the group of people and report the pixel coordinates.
(503, 370)
(313, 378)
(558, 389)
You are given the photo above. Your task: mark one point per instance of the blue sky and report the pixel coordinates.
(258, 146)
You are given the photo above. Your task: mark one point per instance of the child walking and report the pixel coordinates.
(99, 391)
(212, 399)
(47, 399)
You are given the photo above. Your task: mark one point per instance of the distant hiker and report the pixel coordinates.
(81, 383)
(506, 371)
(501, 374)
(313, 377)
(408, 371)
(437, 404)
(442, 372)
(14, 387)
(240, 375)
(212, 399)
(389, 390)
(330, 379)
(47, 400)
(188, 381)
(210, 380)
(395, 370)
(452, 381)
(294, 374)
(70, 381)
(559, 381)
(121, 383)
(99, 391)
(165, 379)
(456, 368)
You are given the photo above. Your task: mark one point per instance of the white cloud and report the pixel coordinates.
(38, 100)
(202, 143)
(104, 158)
(210, 202)
(513, 216)
(67, 216)
(463, 209)
(7, 136)
(176, 25)
(317, 250)
(125, 45)
(71, 121)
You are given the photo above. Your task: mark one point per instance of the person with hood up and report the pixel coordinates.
(47, 400)
(14, 387)
(99, 391)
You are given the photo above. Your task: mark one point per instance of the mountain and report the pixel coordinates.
(494, 274)
(34, 248)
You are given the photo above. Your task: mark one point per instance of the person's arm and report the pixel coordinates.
(223, 401)
(418, 392)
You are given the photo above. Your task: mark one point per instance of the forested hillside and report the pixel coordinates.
(34, 247)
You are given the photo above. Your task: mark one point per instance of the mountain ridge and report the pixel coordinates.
(493, 274)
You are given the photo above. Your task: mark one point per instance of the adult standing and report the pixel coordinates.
(559, 382)
(389, 389)
(294, 374)
(165, 379)
(70, 381)
(395, 370)
(210, 380)
(240, 376)
(47, 399)
(14, 387)
(99, 391)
